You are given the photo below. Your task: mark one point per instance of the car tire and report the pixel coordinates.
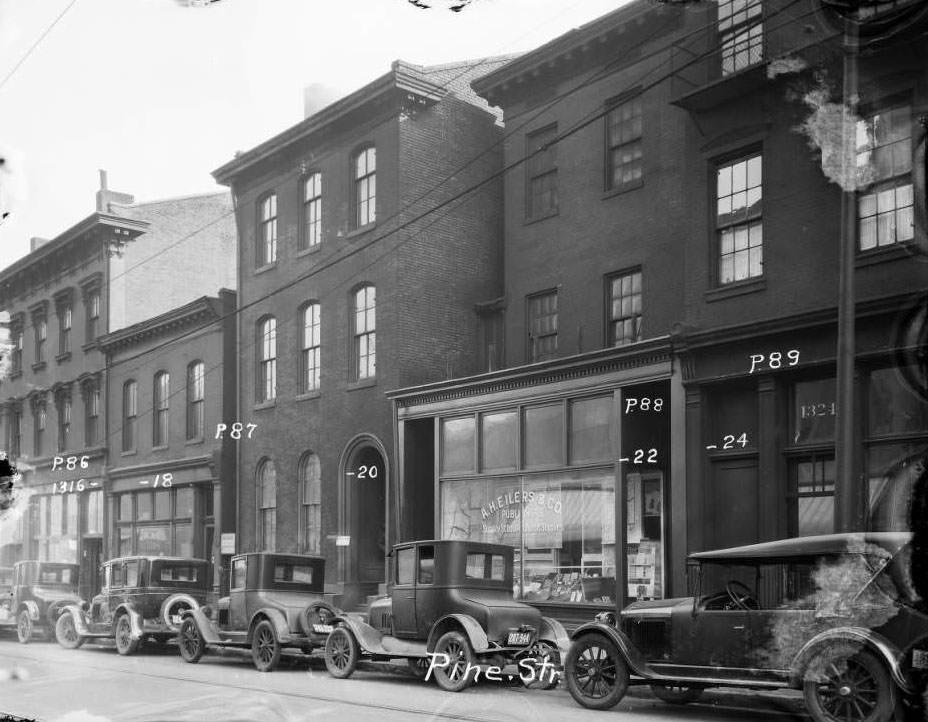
(419, 666)
(24, 627)
(341, 653)
(265, 647)
(316, 613)
(596, 672)
(190, 641)
(676, 693)
(848, 683)
(544, 650)
(454, 677)
(125, 644)
(174, 605)
(66, 631)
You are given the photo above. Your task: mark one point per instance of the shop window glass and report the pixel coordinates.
(405, 565)
(125, 541)
(154, 540)
(544, 435)
(498, 441)
(457, 445)
(814, 411)
(183, 540)
(814, 496)
(163, 504)
(891, 477)
(894, 408)
(644, 535)
(184, 502)
(93, 519)
(591, 429)
(125, 507)
(143, 507)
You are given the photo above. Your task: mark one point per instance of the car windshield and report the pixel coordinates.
(54, 574)
(171, 572)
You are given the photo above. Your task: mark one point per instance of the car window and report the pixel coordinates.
(296, 573)
(405, 565)
(238, 573)
(132, 573)
(481, 565)
(426, 564)
(180, 573)
(108, 576)
(119, 575)
(55, 575)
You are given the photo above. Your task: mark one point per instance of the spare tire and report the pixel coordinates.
(173, 606)
(317, 613)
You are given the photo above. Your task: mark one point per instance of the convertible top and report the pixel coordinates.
(809, 546)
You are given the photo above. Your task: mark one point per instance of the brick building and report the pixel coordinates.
(345, 293)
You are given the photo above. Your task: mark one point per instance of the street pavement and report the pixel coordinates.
(94, 684)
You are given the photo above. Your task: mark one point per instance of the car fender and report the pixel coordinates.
(367, 637)
(276, 617)
(636, 662)
(877, 643)
(475, 633)
(30, 606)
(135, 620)
(79, 616)
(553, 631)
(204, 624)
(55, 609)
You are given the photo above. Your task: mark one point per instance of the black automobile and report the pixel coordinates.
(36, 595)
(834, 615)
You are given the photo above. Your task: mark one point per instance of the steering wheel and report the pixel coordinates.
(741, 596)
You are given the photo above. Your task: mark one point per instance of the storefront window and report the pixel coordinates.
(125, 541)
(498, 441)
(644, 535)
(155, 540)
(814, 411)
(544, 435)
(162, 524)
(93, 515)
(183, 540)
(815, 495)
(125, 507)
(184, 501)
(143, 506)
(591, 429)
(162, 504)
(893, 407)
(457, 445)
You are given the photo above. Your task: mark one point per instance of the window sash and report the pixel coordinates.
(267, 360)
(738, 219)
(267, 231)
(625, 308)
(541, 197)
(623, 144)
(542, 326)
(364, 331)
(312, 211)
(129, 413)
(365, 187)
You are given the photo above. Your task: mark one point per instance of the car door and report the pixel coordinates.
(720, 640)
(237, 611)
(404, 593)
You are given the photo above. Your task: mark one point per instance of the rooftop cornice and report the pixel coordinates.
(203, 308)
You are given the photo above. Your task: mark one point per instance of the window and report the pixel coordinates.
(541, 173)
(294, 573)
(16, 339)
(161, 396)
(64, 419)
(741, 34)
(311, 493)
(738, 219)
(624, 291)
(623, 145)
(267, 360)
(364, 333)
(542, 326)
(813, 480)
(92, 305)
(480, 565)
(267, 230)
(41, 334)
(405, 565)
(64, 328)
(427, 564)
(365, 187)
(91, 413)
(885, 208)
(196, 389)
(39, 419)
(310, 349)
(15, 429)
(267, 505)
(238, 573)
(130, 412)
(312, 212)
(156, 522)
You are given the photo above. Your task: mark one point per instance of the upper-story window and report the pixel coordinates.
(130, 413)
(365, 186)
(267, 505)
(541, 173)
(310, 348)
(15, 429)
(542, 326)
(623, 145)
(196, 394)
(738, 223)
(311, 235)
(64, 328)
(16, 340)
(160, 406)
(91, 394)
(624, 310)
(885, 207)
(266, 244)
(92, 307)
(266, 343)
(741, 34)
(63, 402)
(40, 325)
(39, 418)
(364, 333)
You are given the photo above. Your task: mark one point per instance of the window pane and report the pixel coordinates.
(183, 540)
(405, 565)
(144, 509)
(457, 444)
(184, 502)
(154, 540)
(591, 429)
(814, 411)
(894, 407)
(163, 504)
(544, 435)
(498, 437)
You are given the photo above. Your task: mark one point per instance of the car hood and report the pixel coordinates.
(490, 599)
(655, 607)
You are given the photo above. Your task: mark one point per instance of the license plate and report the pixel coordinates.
(920, 659)
(323, 628)
(519, 638)
(175, 618)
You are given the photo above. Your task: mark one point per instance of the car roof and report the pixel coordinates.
(809, 546)
(153, 557)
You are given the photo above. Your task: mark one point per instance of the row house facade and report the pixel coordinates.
(347, 289)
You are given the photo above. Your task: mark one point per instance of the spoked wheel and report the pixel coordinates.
(418, 666)
(454, 676)
(125, 644)
(190, 641)
(676, 693)
(66, 632)
(546, 667)
(265, 649)
(24, 627)
(318, 618)
(597, 675)
(341, 653)
(844, 684)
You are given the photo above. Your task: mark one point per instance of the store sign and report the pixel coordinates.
(524, 516)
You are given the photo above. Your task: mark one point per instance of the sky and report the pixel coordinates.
(159, 93)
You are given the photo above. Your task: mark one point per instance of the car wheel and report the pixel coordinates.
(597, 675)
(173, 606)
(24, 627)
(845, 684)
(190, 641)
(676, 693)
(419, 666)
(454, 676)
(341, 653)
(66, 632)
(317, 613)
(545, 675)
(265, 649)
(125, 644)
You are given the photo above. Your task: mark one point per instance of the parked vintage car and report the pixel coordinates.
(142, 598)
(275, 602)
(35, 596)
(834, 615)
(454, 598)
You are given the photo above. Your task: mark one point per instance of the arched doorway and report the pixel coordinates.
(364, 494)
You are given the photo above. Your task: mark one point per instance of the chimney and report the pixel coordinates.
(35, 242)
(317, 96)
(106, 196)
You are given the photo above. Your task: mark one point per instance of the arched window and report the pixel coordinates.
(311, 235)
(196, 393)
(267, 505)
(310, 348)
(365, 186)
(311, 496)
(363, 331)
(266, 345)
(130, 413)
(266, 241)
(160, 399)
